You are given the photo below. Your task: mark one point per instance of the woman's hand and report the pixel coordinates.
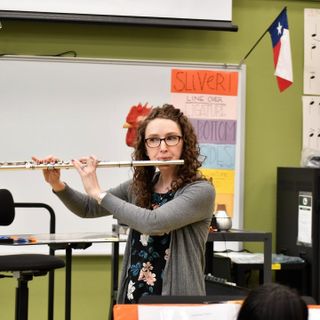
(86, 167)
(51, 176)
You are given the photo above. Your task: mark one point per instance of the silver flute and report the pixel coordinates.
(30, 165)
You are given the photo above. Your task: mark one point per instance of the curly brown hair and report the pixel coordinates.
(188, 172)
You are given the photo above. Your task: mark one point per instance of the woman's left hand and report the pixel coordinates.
(86, 167)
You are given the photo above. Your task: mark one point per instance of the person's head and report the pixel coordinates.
(169, 123)
(163, 141)
(273, 301)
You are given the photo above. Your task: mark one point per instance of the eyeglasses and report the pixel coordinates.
(155, 142)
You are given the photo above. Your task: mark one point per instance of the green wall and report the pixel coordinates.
(273, 120)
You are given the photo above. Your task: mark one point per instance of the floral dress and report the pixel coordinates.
(148, 258)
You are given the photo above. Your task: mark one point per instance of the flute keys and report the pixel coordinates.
(29, 165)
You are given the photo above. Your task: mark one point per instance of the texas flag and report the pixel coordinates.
(279, 32)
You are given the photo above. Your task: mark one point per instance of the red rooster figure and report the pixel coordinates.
(135, 116)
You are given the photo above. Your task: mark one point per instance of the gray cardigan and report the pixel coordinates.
(187, 216)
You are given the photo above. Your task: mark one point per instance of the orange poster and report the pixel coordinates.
(204, 82)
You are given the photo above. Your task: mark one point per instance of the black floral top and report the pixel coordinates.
(148, 258)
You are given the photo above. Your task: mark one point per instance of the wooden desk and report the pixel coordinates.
(67, 242)
(243, 236)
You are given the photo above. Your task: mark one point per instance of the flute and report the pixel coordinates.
(30, 165)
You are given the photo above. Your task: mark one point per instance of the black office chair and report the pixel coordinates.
(25, 266)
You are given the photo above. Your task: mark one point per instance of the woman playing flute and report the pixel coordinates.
(168, 210)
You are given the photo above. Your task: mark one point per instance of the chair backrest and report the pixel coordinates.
(7, 210)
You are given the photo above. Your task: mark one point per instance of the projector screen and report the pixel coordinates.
(206, 14)
(220, 10)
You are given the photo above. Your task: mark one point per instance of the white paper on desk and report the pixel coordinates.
(314, 314)
(225, 311)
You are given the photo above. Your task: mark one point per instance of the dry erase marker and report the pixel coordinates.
(6, 239)
(21, 240)
(32, 240)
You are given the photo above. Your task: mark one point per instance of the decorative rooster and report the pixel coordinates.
(135, 116)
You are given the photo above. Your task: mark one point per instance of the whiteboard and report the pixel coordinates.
(73, 107)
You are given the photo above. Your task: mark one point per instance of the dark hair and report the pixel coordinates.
(273, 301)
(143, 176)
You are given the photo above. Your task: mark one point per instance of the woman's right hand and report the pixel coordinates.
(52, 176)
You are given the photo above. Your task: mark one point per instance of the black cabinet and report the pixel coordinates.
(292, 185)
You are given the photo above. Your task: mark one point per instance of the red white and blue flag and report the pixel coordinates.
(279, 32)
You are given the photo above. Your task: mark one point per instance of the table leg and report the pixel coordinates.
(267, 272)
(68, 283)
(209, 258)
(51, 295)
